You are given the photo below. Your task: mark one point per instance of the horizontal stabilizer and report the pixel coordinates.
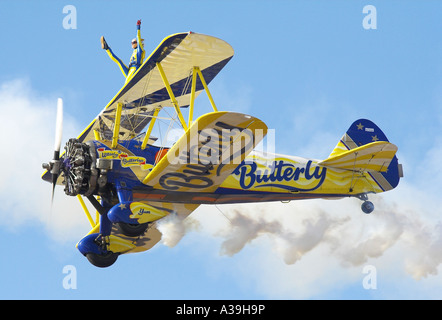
(375, 156)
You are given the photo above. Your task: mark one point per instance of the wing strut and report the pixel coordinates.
(97, 135)
(192, 96)
(197, 71)
(117, 125)
(172, 96)
(149, 130)
(86, 211)
(203, 81)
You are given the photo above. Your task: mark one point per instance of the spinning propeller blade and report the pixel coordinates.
(55, 163)
(59, 125)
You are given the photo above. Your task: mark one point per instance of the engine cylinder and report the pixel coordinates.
(79, 168)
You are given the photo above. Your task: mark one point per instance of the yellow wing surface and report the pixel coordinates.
(375, 156)
(208, 152)
(145, 92)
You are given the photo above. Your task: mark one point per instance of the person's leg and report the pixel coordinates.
(130, 73)
(118, 61)
(114, 58)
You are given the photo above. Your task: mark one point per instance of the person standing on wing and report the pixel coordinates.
(135, 60)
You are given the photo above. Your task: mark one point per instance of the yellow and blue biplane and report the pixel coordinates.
(133, 183)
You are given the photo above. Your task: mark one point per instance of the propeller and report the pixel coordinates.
(54, 166)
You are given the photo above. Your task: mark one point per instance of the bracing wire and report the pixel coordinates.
(216, 206)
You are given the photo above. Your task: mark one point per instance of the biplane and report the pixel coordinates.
(133, 182)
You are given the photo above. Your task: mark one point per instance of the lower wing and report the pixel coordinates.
(209, 151)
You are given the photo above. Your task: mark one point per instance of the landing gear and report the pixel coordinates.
(94, 248)
(367, 206)
(132, 230)
(103, 260)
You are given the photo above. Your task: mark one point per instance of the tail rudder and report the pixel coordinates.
(363, 132)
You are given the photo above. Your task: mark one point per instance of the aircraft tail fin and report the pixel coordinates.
(365, 147)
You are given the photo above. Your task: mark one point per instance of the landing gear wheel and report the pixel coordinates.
(367, 207)
(102, 260)
(132, 230)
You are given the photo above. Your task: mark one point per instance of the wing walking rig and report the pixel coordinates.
(133, 183)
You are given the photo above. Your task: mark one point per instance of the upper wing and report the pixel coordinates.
(214, 145)
(375, 156)
(145, 92)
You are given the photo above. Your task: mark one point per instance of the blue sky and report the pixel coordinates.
(306, 68)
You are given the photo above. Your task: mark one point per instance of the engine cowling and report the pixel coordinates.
(80, 170)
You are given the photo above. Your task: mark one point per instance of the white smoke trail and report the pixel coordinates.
(246, 227)
(174, 227)
(339, 228)
(293, 246)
